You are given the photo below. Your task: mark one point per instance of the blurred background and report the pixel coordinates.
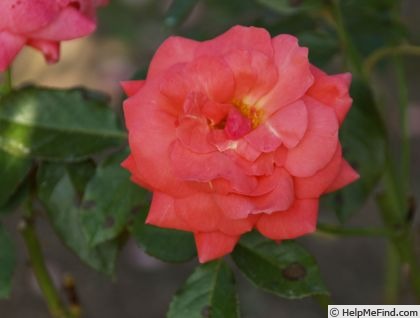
(129, 31)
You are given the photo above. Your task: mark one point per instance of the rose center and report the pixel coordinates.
(250, 112)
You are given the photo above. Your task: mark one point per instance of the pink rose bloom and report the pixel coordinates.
(235, 133)
(42, 24)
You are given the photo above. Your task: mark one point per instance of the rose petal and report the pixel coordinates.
(319, 143)
(237, 38)
(132, 87)
(314, 186)
(162, 213)
(192, 166)
(210, 76)
(199, 211)
(173, 50)
(294, 75)
(274, 193)
(69, 24)
(193, 134)
(300, 219)
(10, 46)
(150, 140)
(288, 125)
(332, 90)
(345, 176)
(50, 49)
(255, 74)
(214, 245)
(23, 16)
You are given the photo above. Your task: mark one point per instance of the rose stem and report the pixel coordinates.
(393, 203)
(39, 268)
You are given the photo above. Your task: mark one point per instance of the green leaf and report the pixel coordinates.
(292, 6)
(110, 199)
(208, 292)
(179, 11)
(7, 262)
(364, 145)
(165, 244)
(59, 196)
(13, 170)
(285, 269)
(56, 124)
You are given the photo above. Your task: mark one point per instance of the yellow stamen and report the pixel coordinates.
(250, 112)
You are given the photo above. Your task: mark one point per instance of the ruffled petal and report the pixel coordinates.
(193, 133)
(319, 143)
(238, 38)
(206, 167)
(314, 186)
(23, 16)
(345, 176)
(255, 74)
(69, 24)
(214, 245)
(199, 211)
(162, 213)
(50, 49)
(150, 140)
(132, 87)
(294, 75)
(288, 125)
(208, 75)
(274, 193)
(173, 50)
(299, 220)
(10, 45)
(332, 90)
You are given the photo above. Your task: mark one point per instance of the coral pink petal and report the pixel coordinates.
(162, 213)
(234, 206)
(205, 167)
(207, 75)
(132, 87)
(213, 245)
(173, 51)
(50, 49)
(314, 186)
(199, 211)
(280, 198)
(299, 220)
(332, 90)
(192, 133)
(238, 38)
(150, 140)
(10, 45)
(255, 74)
(346, 176)
(288, 125)
(280, 156)
(262, 166)
(275, 194)
(235, 227)
(319, 143)
(130, 165)
(69, 24)
(294, 75)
